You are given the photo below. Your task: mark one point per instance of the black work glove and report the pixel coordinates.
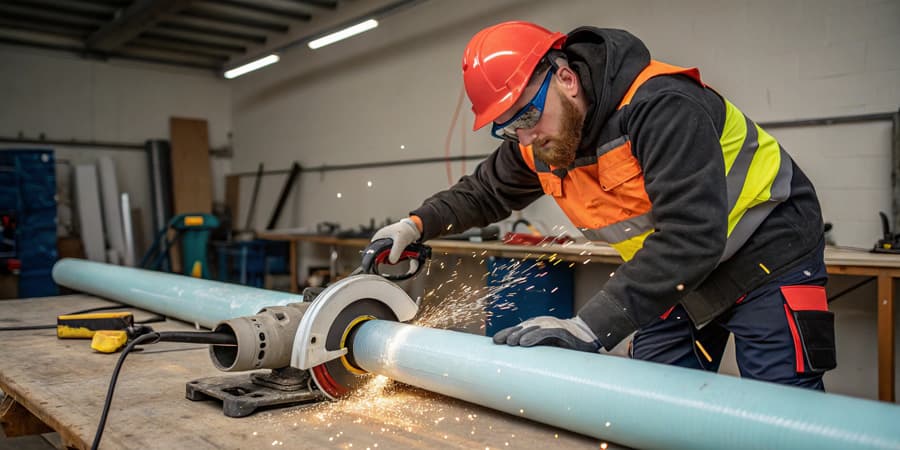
(548, 330)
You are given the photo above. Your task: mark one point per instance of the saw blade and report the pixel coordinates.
(336, 378)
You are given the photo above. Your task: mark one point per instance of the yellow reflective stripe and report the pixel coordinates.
(765, 165)
(733, 134)
(628, 248)
(757, 188)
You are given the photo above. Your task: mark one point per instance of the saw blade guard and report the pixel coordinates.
(310, 348)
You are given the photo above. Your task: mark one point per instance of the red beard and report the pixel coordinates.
(559, 151)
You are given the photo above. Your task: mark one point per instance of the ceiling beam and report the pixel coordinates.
(326, 4)
(206, 30)
(55, 6)
(140, 16)
(47, 28)
(153, 44)
(236, 19)
(265, 9)
(227, 48)
(29, 12)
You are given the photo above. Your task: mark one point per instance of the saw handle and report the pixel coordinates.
(376, 254)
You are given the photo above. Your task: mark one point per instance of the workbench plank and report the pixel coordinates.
(64, 383)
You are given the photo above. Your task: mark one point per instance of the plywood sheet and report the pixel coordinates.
(191, 178)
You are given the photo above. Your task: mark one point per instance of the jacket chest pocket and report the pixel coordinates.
(616, 164)
(551, 184)
(620, 175)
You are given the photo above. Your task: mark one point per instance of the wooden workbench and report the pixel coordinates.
(886, 269)
(62, 383)
(839, 261)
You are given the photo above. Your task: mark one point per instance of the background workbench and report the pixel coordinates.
(63, 383)
(839, 261)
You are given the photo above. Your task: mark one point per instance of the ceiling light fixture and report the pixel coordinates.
(343, 34)
(251, 66)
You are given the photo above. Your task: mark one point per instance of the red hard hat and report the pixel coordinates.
(498, 63)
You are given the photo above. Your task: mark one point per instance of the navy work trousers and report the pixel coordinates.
(766, 339)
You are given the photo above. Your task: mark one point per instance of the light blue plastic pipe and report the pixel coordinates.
(628, 402)
(192, 300)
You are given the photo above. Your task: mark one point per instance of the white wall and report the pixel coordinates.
(65, 97)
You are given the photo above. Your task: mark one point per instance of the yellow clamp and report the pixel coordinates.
(109, 341)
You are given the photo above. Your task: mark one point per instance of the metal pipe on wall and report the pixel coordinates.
(629, 402)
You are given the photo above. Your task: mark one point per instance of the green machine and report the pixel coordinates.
(192, 230)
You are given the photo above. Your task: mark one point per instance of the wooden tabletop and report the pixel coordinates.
(64, 383)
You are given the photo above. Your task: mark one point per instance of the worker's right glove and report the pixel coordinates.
(548, 330)
(402, 233)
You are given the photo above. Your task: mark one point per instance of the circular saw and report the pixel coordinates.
(311, 342)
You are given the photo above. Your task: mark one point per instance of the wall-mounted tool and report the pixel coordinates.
(889, 242)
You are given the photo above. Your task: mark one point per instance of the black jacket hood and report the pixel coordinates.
(607, 62)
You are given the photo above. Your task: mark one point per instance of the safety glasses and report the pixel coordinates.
(527, 117)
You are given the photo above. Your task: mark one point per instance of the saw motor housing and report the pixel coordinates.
(314, 337)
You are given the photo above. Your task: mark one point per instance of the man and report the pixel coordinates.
(720, 230)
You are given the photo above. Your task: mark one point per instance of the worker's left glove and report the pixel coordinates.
(548, 330)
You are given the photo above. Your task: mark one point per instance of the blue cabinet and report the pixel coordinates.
(28, 194)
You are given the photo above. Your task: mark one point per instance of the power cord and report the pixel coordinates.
(151, 337)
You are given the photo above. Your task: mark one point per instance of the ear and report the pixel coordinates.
(568, 81)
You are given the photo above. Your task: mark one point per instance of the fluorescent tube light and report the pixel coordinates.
(343, 34)
(251, 66)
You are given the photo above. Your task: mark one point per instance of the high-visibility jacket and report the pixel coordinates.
(604, 195)
(727, 222)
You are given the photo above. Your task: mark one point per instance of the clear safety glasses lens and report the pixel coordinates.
(527, 117)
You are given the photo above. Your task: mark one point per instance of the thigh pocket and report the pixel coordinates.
(812, 327)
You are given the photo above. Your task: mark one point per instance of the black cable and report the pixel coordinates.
(152, 319)
(28, 327)
(99, 308)
(112, 383)
(199, 337)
